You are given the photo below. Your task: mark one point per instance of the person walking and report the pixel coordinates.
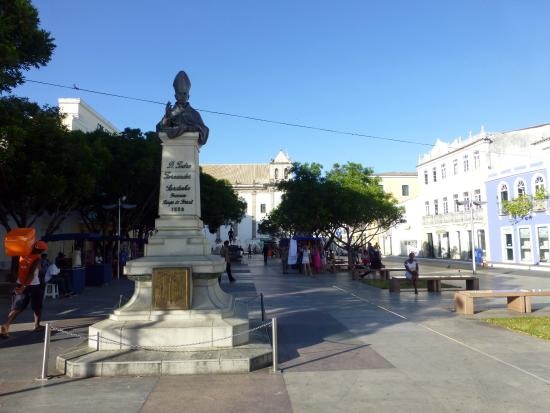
(306, 261)
(412, 271)
(28, 289)
(226, 256)
(266, 253)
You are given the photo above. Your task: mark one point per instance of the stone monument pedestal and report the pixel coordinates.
(178, 306)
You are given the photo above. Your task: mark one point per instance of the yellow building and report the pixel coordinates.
(403, 186)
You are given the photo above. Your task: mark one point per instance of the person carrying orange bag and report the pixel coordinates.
(29, 289)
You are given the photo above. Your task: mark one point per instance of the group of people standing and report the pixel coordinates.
(310, 257)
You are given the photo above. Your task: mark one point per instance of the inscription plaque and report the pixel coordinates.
(172, 288)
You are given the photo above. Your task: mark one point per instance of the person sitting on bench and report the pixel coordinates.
(411, 270)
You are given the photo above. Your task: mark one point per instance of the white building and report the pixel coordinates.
(78, 115)
(456, 173)
(256, 184)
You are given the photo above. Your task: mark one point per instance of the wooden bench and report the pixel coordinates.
(517, 300)
(434, 282)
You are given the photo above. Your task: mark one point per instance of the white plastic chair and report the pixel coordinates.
(51, 291)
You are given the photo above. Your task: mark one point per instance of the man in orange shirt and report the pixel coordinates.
(28, 289)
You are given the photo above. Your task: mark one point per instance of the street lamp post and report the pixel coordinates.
(471, 205)
(120, 205)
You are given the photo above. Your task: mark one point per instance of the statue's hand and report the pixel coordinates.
(168, 110)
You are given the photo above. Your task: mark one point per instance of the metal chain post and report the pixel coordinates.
(44, 375)
(275, 355)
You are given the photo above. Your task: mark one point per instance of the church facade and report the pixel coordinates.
(257, 185)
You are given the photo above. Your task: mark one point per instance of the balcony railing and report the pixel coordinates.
(453, 217)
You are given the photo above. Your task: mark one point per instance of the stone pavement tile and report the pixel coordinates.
(121, 394)
(330, 356)
(396, 390)
(357, 391)
(236, 393)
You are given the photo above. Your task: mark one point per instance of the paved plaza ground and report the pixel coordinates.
(344, 347)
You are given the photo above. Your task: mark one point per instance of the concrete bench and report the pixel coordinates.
(386, 272)
(338, 264)
(517, 300)
(434, 282)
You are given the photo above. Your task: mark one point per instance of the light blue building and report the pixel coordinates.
(522, 240)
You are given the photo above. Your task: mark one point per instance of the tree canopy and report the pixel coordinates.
(44, 169)
(47, 171)
(23, 44)
(220, 205)
(348, 206)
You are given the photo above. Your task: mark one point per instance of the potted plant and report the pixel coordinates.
(519, 208)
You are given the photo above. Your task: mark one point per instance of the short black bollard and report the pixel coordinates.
(262, 306)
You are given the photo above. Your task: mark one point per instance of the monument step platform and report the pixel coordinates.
(82, 361)
(115, 335)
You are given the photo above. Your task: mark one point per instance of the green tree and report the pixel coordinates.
(45, 171)
(132, 169)
(220, 205)
(295, 214)
(22, 43)
(362, 209)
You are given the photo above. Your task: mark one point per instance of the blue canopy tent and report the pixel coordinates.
(73, 236)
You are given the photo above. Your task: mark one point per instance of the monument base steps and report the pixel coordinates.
(83, 361)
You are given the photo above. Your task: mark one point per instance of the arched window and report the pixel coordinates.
(276, 173)
(539, 183)
(286, 173)
(503, 192)
(520, 185)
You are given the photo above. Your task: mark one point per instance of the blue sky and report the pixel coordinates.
(401, 69)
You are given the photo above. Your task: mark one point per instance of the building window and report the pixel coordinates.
(427, 206)
(466, 164)
(276, 174)
(477, 197)
(434, 172)
(539, 184)
(426, 177)
(455, 202)
(525, 244)
(436, 207)
(477, 160)
(445, 206)
(520, 188)
(466, 201)
(286, 173)
(443, 171)
(503, 193)
(262, 208)
(455, 166)
(405, 190)
(503, 197)
(509, 246)
(544, 250)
